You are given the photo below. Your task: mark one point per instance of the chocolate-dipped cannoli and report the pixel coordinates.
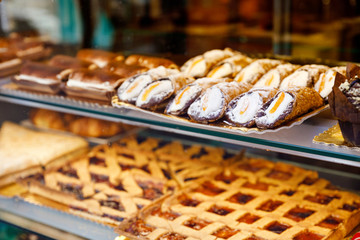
(131, 88)
(154, 94)
(200, 65)
(188, 94)
(149, 61)
(274, 76)
(229, 67)
(306, 76)
(326, 80)
(99, 57)
(287, 105)
(242, 110)
(94, 84)
(9, 63)
(255, 70)
(124, 70)
(40, 77)
(211, 105)
(69, 62)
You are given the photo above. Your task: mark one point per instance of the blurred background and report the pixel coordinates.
(326, 29)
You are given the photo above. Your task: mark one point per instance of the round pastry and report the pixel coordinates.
(44, 118)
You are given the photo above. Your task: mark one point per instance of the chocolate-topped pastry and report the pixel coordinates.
(32, 50)
(149, 61)
(100, 57)
(124, 70)
(9, 63)
(94, 84)
(40, 77)
(344, 103)
(69, 62)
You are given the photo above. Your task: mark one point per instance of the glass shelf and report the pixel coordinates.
(296, 140)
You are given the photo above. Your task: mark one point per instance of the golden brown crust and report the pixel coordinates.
(91, 127)
(149, 61)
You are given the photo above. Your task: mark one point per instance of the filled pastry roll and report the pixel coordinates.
(40, 77)
(68, 62)
(211, 105)
(9, 63)
(200, 65)
(287, 105)
(131, 88)
(188, 94)
(94, 84)
(242, 110)
(274, 76)
(326, 80)
(154, 94)
(99, 57)
(255, 70)
(149, 61)
(124, 70)
(229, 67)
(306, 76)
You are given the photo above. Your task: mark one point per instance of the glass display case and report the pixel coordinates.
(322, 31)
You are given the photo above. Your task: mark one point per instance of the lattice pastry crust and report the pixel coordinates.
(257, 199)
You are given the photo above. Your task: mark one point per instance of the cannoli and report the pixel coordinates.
(68, 62)
(131, 88)
(124, 70)
(158, 91)
(274, 76)
(93, 84)
(306, 76)
(9, 63)
(99, 57)
(211, 105)
(229, 67)
(200, 65)
(326, 80)
(40, 77)
(149, 61)
(287, 105)
(188, 94)
(255, 70)
(242, 110)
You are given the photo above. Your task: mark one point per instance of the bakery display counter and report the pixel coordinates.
(296, 139)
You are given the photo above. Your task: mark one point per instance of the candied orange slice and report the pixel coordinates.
(148, 91)
(212, 73)
(178, 97)
(269, 80)
(278, 102)
(133, 86)
(244, 107)
(193, 64)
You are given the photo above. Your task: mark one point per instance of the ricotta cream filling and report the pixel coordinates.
(272, 116)
(155, 91)
(183, 97)
(106, 86)
(208, 105)
(133, 89)
(246, 108)
(44, 81)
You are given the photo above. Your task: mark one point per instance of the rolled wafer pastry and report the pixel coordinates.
(242, 110)
(200, 65)
(287, 105)
(255, 70)
(131, 87)
(211, 105)
(158, 91)
(99, 57)
(306, 76)
(229, 67)
(188, 94)
(149, 61)
(274, 76)
(326, 80)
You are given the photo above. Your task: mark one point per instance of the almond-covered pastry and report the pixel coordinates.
(124, 70)
(242, 110)
(9, 63)
(200, 65)
(160, 90)
(149, 61)
(255, 70)
(306, 76)
(229, 67)
(40, 77)
(131, 88)
(188, 94)
(99, 57)
(211, 105)
(68, 62)
(93, 84)
(287, 105)
(274, 76)
(326, 80)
